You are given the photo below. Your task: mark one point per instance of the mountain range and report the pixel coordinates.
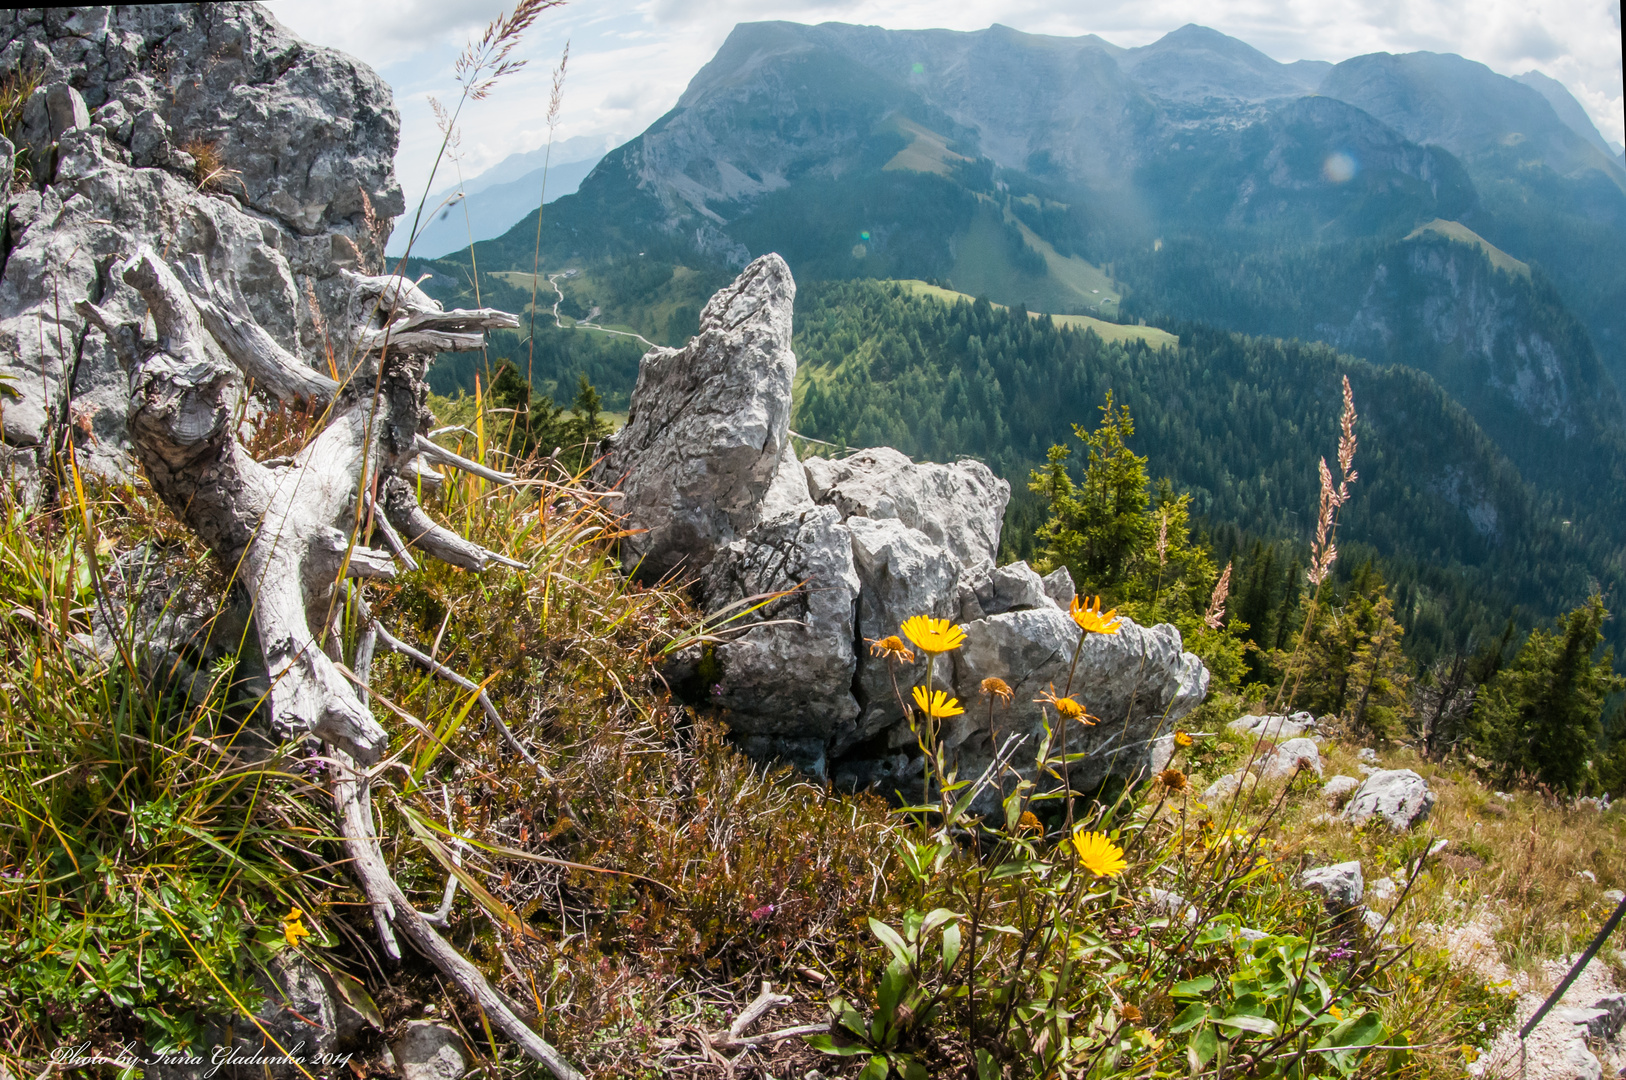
(496, 198)
(1417, 210)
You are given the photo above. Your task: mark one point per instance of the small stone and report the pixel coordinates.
(1589, 875)
(1614, 896)
(1283, 762)
(431, 1051)
(1170, 903)
(1273, 727)
(1368, 755)
(1338, 789)
(1247, 933)
(1376, 922)
(1382, 889)
(1339, 884)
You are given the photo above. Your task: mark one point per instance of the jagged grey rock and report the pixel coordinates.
(1170, 903)
(902, 573)
(307, 136)
(1338, 789)
(1339, 884)
(1274, 727)
(1015, 587)
(789, 680)
(1283, 761)
(960, 506)
(430, 1050)
(1058, 585)
(1162, 752)
(1137, 681)
(707, 429)
(712, 490)
(1399, 796)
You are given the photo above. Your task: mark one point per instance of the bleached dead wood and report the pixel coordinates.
(287, 530)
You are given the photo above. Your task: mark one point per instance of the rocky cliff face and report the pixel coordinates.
(843, 551)
(196, 129)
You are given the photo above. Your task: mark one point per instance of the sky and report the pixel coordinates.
(630, 59)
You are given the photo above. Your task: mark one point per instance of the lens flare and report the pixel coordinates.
(1339, 168)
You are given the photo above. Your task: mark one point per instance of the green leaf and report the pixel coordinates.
(894, 980)
(827, 1045)
(1189, 1017)
(891, 939)
(912, 1069)
(937, 917)
(951, 946)
(1259, 1025)
(877, 1069)
(1206, 1044)
(1192, 987)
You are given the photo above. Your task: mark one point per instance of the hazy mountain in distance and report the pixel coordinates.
(1467, 108)
(1568, 109)
(499, 196)
(1196, 65)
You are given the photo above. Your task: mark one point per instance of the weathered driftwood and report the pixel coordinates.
(289, 531)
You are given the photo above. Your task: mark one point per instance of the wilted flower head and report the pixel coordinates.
(998, 688)
(1090, 620)
(1066, 707)
(1216, 603)
(1173, 779)
(1029, 822)
(933, 635)
(936, 704)
(1098, 854)
(892, 648)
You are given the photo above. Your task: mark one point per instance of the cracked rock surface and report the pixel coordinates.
(711, 483)
(196, 129)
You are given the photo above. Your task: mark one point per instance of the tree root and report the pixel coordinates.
(284, 529)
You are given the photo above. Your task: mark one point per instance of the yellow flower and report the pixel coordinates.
(1066, 707)
(891, 647)
(1097, 854)
(1337, 1013)
(998, 688)
(937, 704)
(933, 635)
(293, 928)
(1182, 739)
(1091, 621)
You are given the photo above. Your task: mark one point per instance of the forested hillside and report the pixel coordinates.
(1237, 421)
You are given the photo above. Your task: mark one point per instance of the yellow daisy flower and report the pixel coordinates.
(937, 704)
(933, 636)
(1091, 621)
(1097, 854)
(1182, 739)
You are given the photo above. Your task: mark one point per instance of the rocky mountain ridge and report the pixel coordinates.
(207, 130)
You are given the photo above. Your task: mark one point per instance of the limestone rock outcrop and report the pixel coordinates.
(715, 497)
(195, 129)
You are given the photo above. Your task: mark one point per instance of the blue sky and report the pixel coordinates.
(630, 59)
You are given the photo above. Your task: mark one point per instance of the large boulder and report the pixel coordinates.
(1283, 762)
(195, 129)
(1137, 682)
(708, 429)
(791, 675)
(960, 506)
(901, 573)
(1398, 797)
(713, 493)
(1273, 727)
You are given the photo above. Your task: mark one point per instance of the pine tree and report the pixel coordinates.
(1541, 715)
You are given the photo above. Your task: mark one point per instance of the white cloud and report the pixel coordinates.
(630, 59)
